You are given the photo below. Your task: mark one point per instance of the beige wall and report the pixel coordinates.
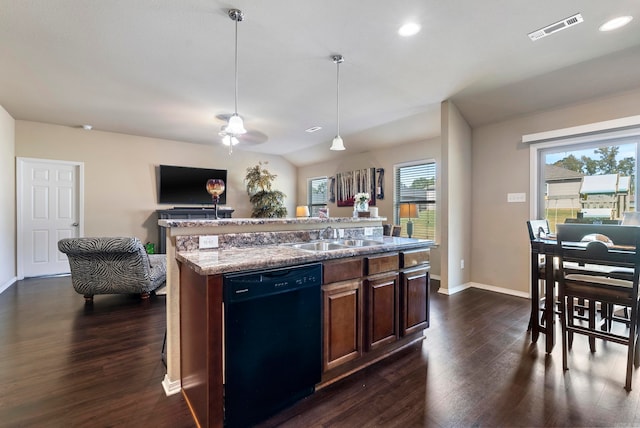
(120, 187)
(380, 158)
(7, 200)
(455, 224)
(500, 165)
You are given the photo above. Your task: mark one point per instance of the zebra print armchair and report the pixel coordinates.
(113, 266)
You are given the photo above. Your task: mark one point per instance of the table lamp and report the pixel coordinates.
(302, 211)
(215, 187)
(409, 211)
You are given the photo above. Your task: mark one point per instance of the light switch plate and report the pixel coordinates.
(208, 241)
(516, 197)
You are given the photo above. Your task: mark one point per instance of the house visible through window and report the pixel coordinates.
(317, 194)
(592, 181)
(415, 183)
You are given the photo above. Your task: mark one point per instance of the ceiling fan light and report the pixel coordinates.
(235, 126)
(228, 140)
(337, 143)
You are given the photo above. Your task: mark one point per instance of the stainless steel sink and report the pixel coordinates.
(359, 242)
(333, 245)
(319, 246)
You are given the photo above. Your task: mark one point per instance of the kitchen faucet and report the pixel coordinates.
(324, 232)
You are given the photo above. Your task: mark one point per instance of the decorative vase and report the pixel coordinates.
(362, 206)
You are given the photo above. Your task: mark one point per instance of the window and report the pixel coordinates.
(416, 183)
(317, 194)
(587, 179)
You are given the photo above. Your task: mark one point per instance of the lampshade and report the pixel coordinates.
(235, 126)
(337, 143)
(215, 186)
(229, 139)
(408, 211)
(302, 211)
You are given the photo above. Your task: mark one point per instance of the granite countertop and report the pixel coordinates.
(260, 221)
(212, 262)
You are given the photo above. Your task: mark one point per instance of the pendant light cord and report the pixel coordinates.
(236, 70)
(337, 97)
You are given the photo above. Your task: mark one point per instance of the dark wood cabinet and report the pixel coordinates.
(342, 323)
(373, 306)
(342, 306)
(187, 214)
(382, 310)
(415, 300)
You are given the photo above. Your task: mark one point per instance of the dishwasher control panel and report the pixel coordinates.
(249, 285)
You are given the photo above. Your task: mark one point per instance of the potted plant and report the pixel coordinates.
(361, 201)
(267, 203)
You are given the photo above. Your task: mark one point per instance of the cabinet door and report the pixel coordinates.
(382, 310)
(342, 323)
(415, 300)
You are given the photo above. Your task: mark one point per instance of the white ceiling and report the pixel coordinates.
(164, 68)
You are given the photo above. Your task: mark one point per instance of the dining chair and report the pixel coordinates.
(537, 229)
(586, 244)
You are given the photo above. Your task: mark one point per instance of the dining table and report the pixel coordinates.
(546, 245)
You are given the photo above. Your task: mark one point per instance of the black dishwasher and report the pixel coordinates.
(273, 341)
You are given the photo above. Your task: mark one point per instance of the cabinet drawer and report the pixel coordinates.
(382, 263)
(414, 258)
(342, 269)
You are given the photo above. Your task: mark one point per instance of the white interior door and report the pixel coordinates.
(49, 209)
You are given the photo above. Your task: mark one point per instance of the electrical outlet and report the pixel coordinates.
(462, 264)
(340, 233)
(208, 241)
(368, 231)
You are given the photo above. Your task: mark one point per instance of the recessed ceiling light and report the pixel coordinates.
(615, 23)
(409, 29)
(87, 127)
(313, 129)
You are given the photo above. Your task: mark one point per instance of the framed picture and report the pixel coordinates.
(347, 184)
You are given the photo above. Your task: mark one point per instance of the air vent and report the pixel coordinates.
(557, 26)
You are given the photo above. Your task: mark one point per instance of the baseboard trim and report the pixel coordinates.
(8, 284)
(170, 386)
(450, 291)
(500, 290)
(454, 290)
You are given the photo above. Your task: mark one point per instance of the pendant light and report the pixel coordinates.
(236, 126)
(337, 143)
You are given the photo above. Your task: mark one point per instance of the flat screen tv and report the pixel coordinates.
(188, 185)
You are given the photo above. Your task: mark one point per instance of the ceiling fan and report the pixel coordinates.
(251, 137)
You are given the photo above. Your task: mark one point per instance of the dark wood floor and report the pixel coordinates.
(62, 365)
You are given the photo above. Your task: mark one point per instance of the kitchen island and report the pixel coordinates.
(374, 295)
(185, 235)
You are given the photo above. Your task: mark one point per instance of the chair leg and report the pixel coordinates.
(636, 347)
(563, 328)
(569, 310)
(632, 347)
(145, 296)
(88, 298)
(592, 324)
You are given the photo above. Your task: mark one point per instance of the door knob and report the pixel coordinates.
(75, 224)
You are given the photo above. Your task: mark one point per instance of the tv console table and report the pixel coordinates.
(187, 214)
